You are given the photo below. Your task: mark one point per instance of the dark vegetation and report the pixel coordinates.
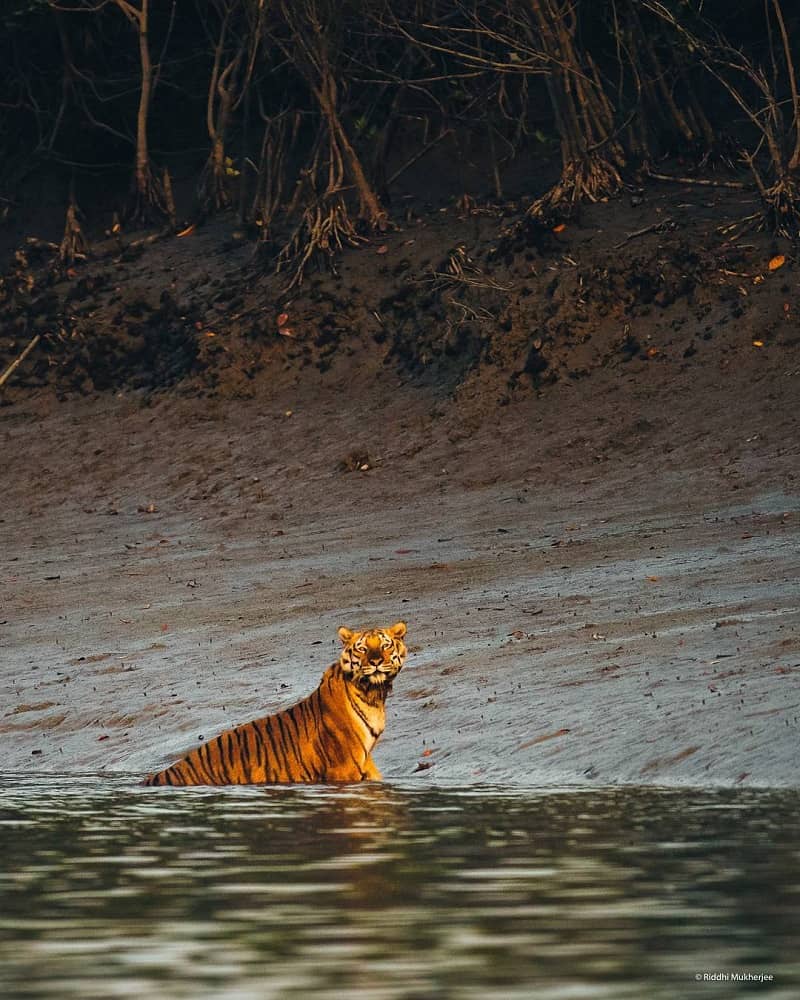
(283, 133)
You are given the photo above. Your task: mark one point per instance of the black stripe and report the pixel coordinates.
(293, 713)
(287, 747)
(359, 767)
(321, 729)
(208, 762)
(226, 745)
(261, 750)
(244, 750)
(303, 708)
(359, 713)
(289, 715)
(272, 773)
(347, 745)
(189, 764)
(315, 707)
(290, 754)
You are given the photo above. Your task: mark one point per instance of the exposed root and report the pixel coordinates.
(782, 207)
(213, 188)
(587, 178)
(461, 270)
(74, 245)
(779, 212)
(151, 200)
(324, 228)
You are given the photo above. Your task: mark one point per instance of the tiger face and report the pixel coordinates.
(373, 658)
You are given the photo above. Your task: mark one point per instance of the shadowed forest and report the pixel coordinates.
(289, 136)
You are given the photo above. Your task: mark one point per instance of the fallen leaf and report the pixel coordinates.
(652, 352)
(103, 737)
(187, 231)
(653, 579)
(758, 343)
(542, 739)
(283, 319)
(286, 331)
(659, 762)
(39, 707)
(776, 262)
(560, 227)
(210, 333)
(383, 248)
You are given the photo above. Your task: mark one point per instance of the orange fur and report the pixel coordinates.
(328, 736)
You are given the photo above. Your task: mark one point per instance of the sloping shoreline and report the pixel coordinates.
(600, 586)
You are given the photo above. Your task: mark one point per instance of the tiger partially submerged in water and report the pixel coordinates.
(328, 736)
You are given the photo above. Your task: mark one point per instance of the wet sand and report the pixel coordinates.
(601, 584)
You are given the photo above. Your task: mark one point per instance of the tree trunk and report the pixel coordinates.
(148, 199)
(369, 206)
(142, 150)
(591, 156)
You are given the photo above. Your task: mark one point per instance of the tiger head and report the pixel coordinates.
(373, 658)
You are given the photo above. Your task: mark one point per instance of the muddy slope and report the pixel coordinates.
(588, 512)
(464, 299)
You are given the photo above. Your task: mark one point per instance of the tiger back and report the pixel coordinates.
(326, 737)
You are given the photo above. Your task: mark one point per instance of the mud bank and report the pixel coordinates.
(600, 585)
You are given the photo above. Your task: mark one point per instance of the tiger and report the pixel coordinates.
(327, 737)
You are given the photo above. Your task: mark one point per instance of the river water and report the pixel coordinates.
(392, 891)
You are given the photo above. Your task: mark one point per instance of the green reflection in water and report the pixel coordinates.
(386, 891)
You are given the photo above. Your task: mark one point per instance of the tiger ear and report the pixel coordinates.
(398, 630)
(345, 634)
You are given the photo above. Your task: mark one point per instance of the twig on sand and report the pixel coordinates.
(661, 224)
(704, 182)
(150, 238)
(18, 361)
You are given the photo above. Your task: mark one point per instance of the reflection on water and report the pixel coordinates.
(111, 890)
